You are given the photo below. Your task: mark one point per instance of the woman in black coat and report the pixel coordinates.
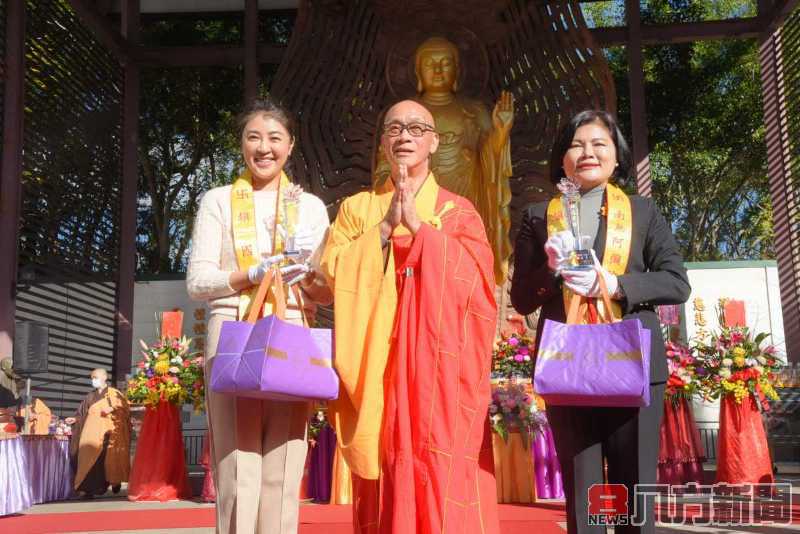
(591, 151)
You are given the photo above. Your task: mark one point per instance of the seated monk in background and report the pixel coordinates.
(412, 274)
(101, 438)
(39, 417)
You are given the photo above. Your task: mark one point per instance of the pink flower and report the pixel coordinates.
(523, 351)
(519, 358)
(513, 341)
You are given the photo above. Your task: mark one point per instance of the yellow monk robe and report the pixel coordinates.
(366, 302)
(100, 461)
(40, 418)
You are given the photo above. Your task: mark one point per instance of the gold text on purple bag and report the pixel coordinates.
(277, 354)
(631, 356)
(555, 355)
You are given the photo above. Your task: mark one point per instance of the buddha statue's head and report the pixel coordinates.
(436, 65)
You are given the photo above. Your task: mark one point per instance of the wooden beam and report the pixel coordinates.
(130, 174)
(101, 28)
(641, 151)
(11, 179)
(747, 28)
(250, 50)
(787, 241)
(203, 55)
(781, 11)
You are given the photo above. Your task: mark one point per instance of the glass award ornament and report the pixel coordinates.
(581, 257)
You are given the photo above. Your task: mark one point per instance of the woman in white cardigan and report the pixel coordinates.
(258, 447)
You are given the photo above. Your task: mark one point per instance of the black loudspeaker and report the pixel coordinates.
(31, 345)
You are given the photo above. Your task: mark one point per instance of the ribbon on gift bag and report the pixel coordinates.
(270, 358)
(603, 364)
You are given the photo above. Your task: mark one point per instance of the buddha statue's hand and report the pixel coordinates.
(503, 115)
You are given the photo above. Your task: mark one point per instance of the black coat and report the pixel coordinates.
(654, 275)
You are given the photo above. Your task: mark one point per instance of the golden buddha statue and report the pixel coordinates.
(474, 155)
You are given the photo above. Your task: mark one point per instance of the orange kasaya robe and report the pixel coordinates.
(413, 351)
(40, 417)
(89, 443)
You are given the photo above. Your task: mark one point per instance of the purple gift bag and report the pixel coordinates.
(272, 359)
(594, 364)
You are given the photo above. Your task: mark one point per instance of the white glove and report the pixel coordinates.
(558, 248)
(295, 272)
(305, 239)
(584, 282)
(256, 272)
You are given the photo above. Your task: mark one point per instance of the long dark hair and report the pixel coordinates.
(565, 136)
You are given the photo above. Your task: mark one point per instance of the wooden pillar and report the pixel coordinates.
(130, 174)
(782, 192)
(641, 151)
(250, 50)
(10, 183)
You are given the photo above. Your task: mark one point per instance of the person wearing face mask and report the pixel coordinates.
(258, 447)
(637, 256)
(415, 315)
(101, 437)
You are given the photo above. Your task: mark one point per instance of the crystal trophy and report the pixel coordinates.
(581, 257)
(290, 215)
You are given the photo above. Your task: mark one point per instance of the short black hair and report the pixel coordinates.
(567, 133)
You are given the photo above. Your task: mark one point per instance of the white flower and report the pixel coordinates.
(174, 370)
(725, 373)
(759, 369)
(496, 418)
(727, 362)
(526, 358)
(762, 360)
(320, 416)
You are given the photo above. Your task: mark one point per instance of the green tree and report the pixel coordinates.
(706, 133)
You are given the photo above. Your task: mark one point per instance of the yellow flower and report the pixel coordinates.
(161, 367)
(739, 352)
(739, 361)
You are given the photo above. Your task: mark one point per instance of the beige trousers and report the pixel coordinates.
(258, 451)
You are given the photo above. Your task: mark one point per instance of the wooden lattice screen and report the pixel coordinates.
(349, 58)
(790, 56)
(70, 210)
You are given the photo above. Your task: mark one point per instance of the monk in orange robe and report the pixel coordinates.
(101, 437)
(412, 274)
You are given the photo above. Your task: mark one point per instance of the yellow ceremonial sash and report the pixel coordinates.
(619, 228)
(245, 236)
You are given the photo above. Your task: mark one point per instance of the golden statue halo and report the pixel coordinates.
(473, 62)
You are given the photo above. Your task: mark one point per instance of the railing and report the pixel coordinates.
(193, 448)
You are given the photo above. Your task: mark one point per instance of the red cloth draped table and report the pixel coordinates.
(319, 484)
(743, 455)
(680, 453)
(15, 485)
(49, 467)
(159, 468)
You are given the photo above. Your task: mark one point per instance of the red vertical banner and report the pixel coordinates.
(171, 324)
(733, 313)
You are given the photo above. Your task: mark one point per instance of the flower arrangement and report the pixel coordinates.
(60, 427)
(169, 373)
(318, 421)
(735, 364)
(512, 356)
(684, 373)
(513, 409)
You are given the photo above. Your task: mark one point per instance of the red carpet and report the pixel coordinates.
(514, 519)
